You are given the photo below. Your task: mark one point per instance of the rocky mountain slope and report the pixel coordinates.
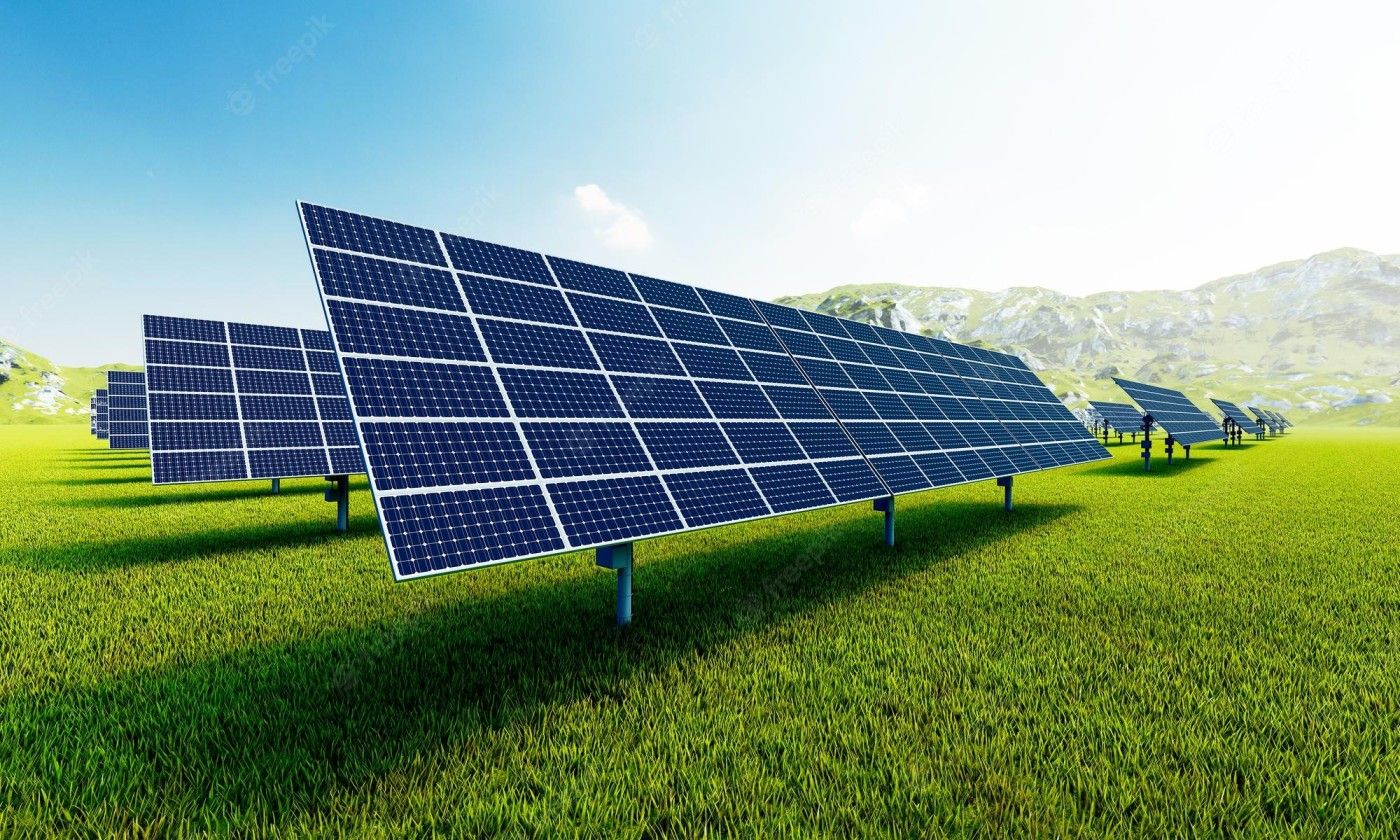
(35, 390)
(1318, 338)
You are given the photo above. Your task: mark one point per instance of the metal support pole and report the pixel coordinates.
(1171, 443)
(276, 486)
(339, 492)
(619, 558)
(1006, 483)
(887, 505)
(1188, 451)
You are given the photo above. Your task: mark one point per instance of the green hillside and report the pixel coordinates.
(34, 390)
(1316, 338)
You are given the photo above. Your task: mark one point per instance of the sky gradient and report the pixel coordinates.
(153, 155)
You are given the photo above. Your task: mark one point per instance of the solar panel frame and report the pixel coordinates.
(127, 423)
(724, 342)
(222, 408)
(1178, 416)
(100, 413)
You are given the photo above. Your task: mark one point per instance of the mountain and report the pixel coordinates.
(35, 390)
(1317, 338)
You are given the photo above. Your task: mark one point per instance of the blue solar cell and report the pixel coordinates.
(592, 278)
(889, 406)
(824, 440)
(763, 442)
(333, 408)
(848, 405)
(901, 474)
(278, 408)
(845, 350)
(797, 403)
(686, 445)
(186, 353)
(975, 434)
(268, 358)
(874, 438)
(712, 362)
(782, 316)
(321, 362)
(938, 468)
(913, 437)
(390, 388)
(514, 343)
(708, 498)
(750, 336)
(666, 293)
(193, 407)
(497, 260)
(273, 382)
(803, 344)
(351, 276)
(629, 354)
(891, 338)
(182, 467)
(184, 329)
(970, 465)
(825, 374)
(340, 434)
(438, 531)
(689, 326)
(880, 355)
(346, 460)
(504, 299)
(790, 487)
(736, 400)
(411, 455)
(614, 315)
(327, 385)
(268, 336)
(614, 509)
(862, 332)
(578, 449)
(772, 368)
(946, 435)
(262, 435)
(392, 331)
(272, 463)
(649, 397)
(544, 393)
(353, 232)
(163, 378)
(729, 306)
(998, 463)
(317, 340)
(851, 480)
(824, 325)
(901, 381)
(177, 436)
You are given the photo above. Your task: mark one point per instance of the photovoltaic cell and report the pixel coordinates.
(606, 407)
(1235, 413)
(1171, 410)
(127, 420)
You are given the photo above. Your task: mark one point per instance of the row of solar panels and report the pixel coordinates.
(1178, 416)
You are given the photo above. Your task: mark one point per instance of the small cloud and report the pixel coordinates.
(891, 210)
(625, 228)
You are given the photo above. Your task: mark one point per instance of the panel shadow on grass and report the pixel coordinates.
(176, 494)
(285, 729)
(1122, 467)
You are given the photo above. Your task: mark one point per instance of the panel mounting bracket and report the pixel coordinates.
(1005, 482)
(339, 493)
(886, 504)
(619, 558)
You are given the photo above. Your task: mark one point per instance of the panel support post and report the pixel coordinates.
(1171, 442)
(276, 486)
(1147, 443)
(619, 558)
(339, 493)
(1005, 482)
(1187, 449)
(887, 505)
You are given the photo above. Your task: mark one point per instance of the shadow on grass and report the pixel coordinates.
(144, 478)
(1120, 467)
(177, 495)
(95, 557)
(283, 730)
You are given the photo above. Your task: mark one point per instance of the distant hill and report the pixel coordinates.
(35, 390)
(1319, 337)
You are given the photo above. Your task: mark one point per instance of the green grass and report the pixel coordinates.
(1209, 648)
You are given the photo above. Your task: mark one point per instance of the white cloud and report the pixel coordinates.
(888, 211)
(624, 228)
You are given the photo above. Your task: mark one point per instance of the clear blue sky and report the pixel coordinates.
(151, 156)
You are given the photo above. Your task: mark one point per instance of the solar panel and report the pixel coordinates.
(1235, 413)
(126, 411)
(549, 405)
(1121, 416)
(1267, 418)
(100, 413)
(230, 401)
(1182, 420)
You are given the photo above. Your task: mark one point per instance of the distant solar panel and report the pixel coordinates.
(1182, 420)
(99, 406)
(1122, 417)
(1267, 418)
(126, 412)
(514, 405)
(1235, 413)
(231, 401)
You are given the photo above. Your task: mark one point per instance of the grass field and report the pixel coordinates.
(1212, 647)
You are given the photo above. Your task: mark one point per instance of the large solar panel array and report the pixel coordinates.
(513, 405)
(1180, 417)
(1125, 418)
(232, 401)
(99, 413)
(1235, 413)
(126, 412)
(1270, 418)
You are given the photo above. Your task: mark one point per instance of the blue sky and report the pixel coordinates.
(152, 155)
